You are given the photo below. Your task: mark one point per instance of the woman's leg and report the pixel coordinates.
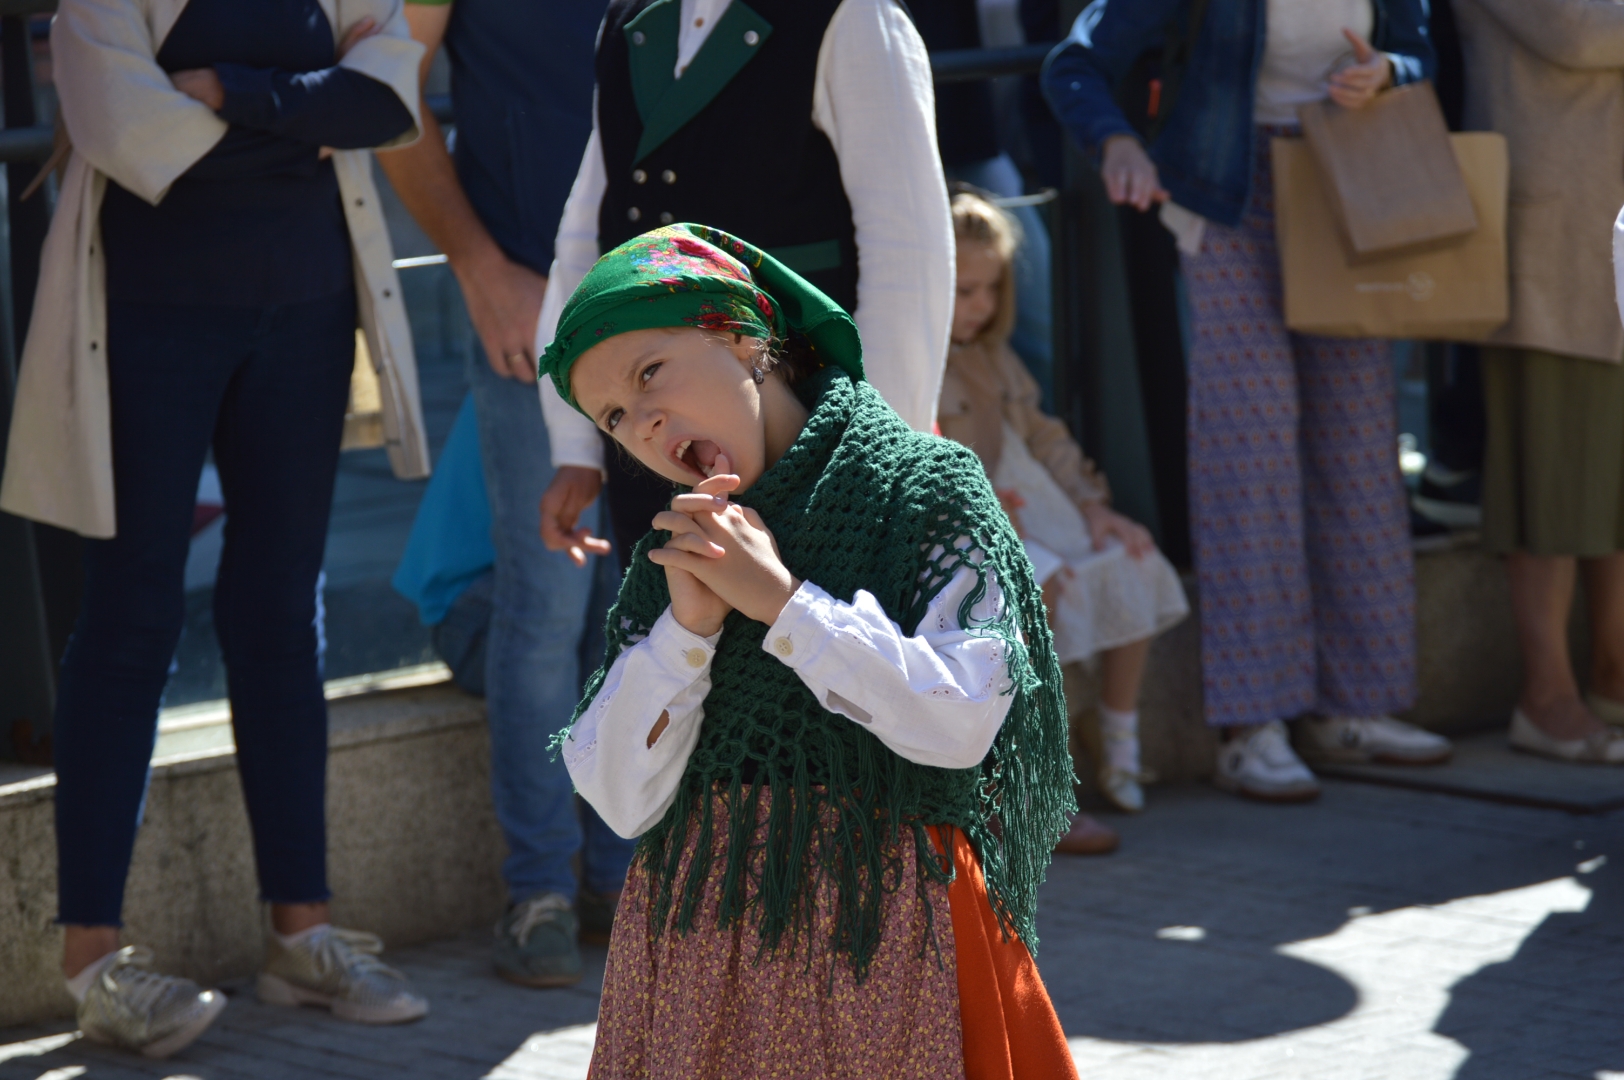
(165, 380)
(1361, 567)
(1604, 592)
(1257, 641)
(277, 451)
(1541, 598)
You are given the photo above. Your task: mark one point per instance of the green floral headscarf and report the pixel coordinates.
(694, 275)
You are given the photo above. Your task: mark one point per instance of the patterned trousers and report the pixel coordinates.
(1301, 530)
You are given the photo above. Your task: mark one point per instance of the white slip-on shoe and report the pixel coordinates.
(1376, 740)
(1606, 709)
(1258, 763)
(1604, 747)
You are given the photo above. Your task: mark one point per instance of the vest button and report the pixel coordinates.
(783, 646)
(666, 218)
(639, 176)
(634, 214)
(668, 177)
(637, 37)
(751, 37)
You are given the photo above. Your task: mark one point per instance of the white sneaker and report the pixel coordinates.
(1258, 763)
(1359, 740)
(131, 1006)
(338, 970)
(1122, 788)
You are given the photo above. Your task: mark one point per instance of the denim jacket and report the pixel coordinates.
(1204, 150)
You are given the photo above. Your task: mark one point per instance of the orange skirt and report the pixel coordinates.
(705, 1004)
(1010, 1029)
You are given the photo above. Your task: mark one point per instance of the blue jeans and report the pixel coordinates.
(542, 607)
(1033, 339)
(267, 388)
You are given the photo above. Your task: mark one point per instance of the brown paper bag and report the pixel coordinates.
(1390, 174)
(1456, 292)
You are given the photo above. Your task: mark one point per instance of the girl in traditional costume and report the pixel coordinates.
(830, 703)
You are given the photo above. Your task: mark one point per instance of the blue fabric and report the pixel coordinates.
(257, 220)
(450, 545)
(267, 389)
(521, 78)
(1204, 150)
(542, 605)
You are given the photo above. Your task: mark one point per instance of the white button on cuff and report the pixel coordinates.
(695, 657)
(783, 646)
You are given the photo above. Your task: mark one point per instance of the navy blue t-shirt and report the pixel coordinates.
(521, 83)
(257, 220)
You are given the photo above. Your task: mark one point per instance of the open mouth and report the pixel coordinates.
(697, 456)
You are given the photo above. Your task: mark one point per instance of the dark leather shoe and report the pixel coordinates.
(597, 914)
(1087, 837)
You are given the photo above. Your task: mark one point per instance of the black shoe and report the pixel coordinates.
(596, 913)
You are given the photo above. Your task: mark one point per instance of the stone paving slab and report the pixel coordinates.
(1379, 934)
(1485, 767)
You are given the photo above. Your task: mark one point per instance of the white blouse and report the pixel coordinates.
(873, 97)
(936, 698)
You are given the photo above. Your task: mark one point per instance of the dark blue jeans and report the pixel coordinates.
(267, 388)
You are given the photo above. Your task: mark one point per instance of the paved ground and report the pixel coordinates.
(1378, 935)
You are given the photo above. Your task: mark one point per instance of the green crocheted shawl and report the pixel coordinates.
(860, 501)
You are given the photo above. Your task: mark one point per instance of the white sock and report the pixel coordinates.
(1121, 731)
(80, 984)
(290, 940)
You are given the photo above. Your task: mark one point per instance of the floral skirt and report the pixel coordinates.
(705, 1004)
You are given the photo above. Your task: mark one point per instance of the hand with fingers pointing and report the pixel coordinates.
(1355, 86)
(721, 557)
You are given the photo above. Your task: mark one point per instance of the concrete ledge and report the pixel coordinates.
(1468, 668)
(414, 852)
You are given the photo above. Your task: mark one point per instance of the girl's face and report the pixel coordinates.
(676, 399)
(976, 300)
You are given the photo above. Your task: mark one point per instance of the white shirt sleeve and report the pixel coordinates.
(936, 698)
(573, 438)
(874, 99)
(629, 782)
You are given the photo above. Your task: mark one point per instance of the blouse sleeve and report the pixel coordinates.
(937, 698)
(333, 107)
(1047, 437)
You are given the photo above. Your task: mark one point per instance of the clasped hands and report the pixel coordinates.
(721, 557)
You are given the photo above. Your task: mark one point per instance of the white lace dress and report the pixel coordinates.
(1109, 598)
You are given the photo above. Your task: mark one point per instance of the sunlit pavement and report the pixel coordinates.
(1376, 935)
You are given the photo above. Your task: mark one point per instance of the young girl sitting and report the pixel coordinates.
(1109, 590)
(830, 703)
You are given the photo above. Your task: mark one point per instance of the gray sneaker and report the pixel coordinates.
(339, 970)
(535, 943)
(137, 1009)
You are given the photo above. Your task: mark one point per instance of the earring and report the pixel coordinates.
(758, 375)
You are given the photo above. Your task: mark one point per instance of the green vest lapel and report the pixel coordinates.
(738, 36)
(651, 43)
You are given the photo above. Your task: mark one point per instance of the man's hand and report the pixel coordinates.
(1356, 85)
(572, 490)
(504, 301)
(1105, 524)
(201, 84)
(1129, 174)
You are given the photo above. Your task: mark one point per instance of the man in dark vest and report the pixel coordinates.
(804, 126)
(521, 76)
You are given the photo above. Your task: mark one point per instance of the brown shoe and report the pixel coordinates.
(1087, 837)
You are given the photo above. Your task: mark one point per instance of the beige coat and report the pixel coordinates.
(985, 387)
(128, 122)
(1549, 76)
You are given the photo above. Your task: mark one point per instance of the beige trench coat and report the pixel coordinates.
(1549, 76)
(127, 121)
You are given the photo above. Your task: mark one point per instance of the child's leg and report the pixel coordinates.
(1122, 669)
